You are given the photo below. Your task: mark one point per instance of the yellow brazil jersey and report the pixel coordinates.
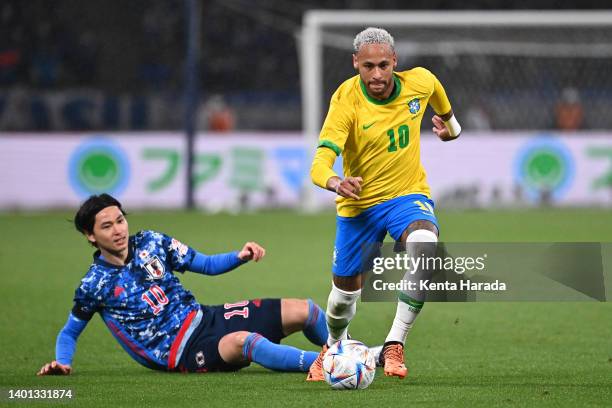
(379, 139)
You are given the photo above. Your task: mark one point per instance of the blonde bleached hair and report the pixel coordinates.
(373, 35)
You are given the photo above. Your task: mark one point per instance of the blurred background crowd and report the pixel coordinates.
(115, 65)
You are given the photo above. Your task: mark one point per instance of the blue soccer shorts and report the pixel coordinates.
(261, 316)
(354, 235)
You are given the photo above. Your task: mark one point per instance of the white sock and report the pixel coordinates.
(410, 303)
(404, 318)
(341, 307)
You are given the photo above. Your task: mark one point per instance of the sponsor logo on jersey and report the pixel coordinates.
(369, 125)
(155, 268)
(414, 105)
(179, 247)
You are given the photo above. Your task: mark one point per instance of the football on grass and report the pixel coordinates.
(349, 365)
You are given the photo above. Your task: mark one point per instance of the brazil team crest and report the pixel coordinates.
(414, 105)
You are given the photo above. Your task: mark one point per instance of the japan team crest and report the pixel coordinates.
(155, 268)
(414, 105)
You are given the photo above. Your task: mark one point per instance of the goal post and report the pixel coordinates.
(516, 63)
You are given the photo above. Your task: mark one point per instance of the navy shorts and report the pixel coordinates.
(201, 352)
(357, 237)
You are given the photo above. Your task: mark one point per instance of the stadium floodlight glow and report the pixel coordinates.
(567, 35)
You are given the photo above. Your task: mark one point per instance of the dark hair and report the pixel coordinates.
(85, 217)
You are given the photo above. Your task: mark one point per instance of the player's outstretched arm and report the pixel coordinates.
(446, 127)
(55, 368)
(65, 348)
(222, 263)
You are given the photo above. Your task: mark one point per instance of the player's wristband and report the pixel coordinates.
(453, 126)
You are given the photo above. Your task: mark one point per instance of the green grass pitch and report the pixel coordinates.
(459, 354)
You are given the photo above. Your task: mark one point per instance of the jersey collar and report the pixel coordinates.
(98, 261)
(396, 91)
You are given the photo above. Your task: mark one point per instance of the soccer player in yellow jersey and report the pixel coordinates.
(374, 121)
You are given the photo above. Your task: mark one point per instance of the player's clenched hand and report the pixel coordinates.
(349, 187)
(54, 368)
(251, 251)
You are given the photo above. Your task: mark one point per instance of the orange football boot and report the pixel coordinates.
(393, 356)
(315, 373)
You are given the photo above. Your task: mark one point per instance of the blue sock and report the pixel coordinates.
(276, 356)
(315, 328)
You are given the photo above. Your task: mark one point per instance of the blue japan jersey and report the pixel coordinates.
(142, 303)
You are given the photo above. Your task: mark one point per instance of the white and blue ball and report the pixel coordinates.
(349, 365)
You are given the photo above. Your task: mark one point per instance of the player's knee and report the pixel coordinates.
(294, 313)
(421, 242)
(231, 347)
(422, 235)
(237, 339)
(342, 303)
(296, 308)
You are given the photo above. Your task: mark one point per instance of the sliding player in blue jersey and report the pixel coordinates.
(160, 324)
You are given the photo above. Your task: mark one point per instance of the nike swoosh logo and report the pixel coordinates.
(366, 127)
